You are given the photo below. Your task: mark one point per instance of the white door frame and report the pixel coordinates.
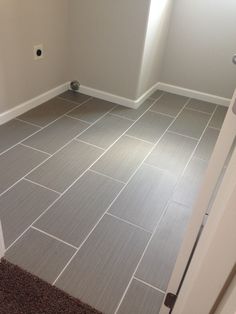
(213, 172)
(215, 255)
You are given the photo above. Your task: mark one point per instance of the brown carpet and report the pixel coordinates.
(23, 293)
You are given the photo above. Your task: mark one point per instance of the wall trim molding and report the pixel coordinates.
(127, 102)
(32, 103)
(194, 94)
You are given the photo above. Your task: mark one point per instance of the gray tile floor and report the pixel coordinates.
(95, 197)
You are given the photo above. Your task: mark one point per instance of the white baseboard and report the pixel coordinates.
(194, 94)
(32, 103)
(115, 98)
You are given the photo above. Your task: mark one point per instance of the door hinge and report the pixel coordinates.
(170, 300)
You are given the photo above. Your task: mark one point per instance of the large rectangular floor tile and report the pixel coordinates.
(40, 255)
(48, 112)
(16, 163)
(156, 94)
(101, 270)
(74, 96)
(187, 189)
(218, 117)
(207, 144)
(159, 259)
(203, 106)
(106, 131)
(13, 132)
(61, 170)
(56, 134)
(20, 206)
(141, 299)
(132, 114)
(190, 123)
(150, 126)
(169, 104)
(172, 153)
(145, 197)
(122, 159)
(73, 216)
(92, 110)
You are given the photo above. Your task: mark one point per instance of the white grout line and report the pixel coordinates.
(160, 169)
(128, 222)
(151, 286)
(164, 114)
(212, 127)
(33, 148)
(71, 117)
(42, 128)
(136, 138)
(145, 249)
(26, 122)
(42, 186)
(106, 176)
(79, 140)
(203, 112)
(192, 138)
(75, 102)
(52, 236)
(120, 116)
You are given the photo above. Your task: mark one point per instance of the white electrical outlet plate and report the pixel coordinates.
(38, 52)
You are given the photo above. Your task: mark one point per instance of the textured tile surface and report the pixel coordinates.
(190, 123)
(159, 259)
(16, 163)
(20, 206)
(132, 114)
(141, 299)
(13, 132)
(156, 94)
(122, 159)
(75, 214)
(48, 112)
(56, 134)
(207, 144)
(145, 197)
(172, 153)
(101, 270)
(106, 131)
(188, 186)
(92, 110)
(201, 106)
(218, 117)
(150, 127)
(170, 104)
(74, 96)
(61, 170)
(40, 255)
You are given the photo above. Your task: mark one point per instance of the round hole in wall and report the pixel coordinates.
(39, 52)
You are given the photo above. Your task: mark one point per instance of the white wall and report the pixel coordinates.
(201, 43)
(107, 40)
(24, 23)
(155, 44)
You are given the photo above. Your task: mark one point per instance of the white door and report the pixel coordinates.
(206, 201)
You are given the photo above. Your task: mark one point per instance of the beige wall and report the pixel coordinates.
(228, 302)
(24, 23)
(107, 40)
(155, 44)
(200, 46)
